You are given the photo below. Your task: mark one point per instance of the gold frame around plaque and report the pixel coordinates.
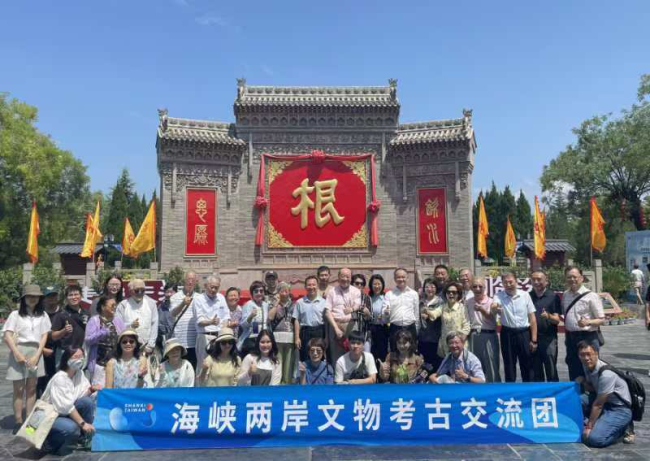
(359, 239)
(276, 240)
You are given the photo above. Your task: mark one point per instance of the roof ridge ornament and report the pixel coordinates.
(467, 114)
(241, 88)
(392, 83)
(162, 117)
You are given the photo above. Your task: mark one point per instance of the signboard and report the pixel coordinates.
(201, 222)
(316, 205)
(432, 221)
(274, 416)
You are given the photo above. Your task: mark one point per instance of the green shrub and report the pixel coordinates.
(616, 281)
(10, 289)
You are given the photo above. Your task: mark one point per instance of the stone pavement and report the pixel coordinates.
(628, 347)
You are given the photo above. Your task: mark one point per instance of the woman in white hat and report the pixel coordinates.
(175, 371)
(128, 369)
(25, 333)
(221, 366)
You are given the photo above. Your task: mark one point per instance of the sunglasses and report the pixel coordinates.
(228, 343)
(128, 341)
(452, 292)
(359, 283)
(139, 290)
(259, 290)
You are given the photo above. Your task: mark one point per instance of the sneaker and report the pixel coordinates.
(629, 437)
(16, 428)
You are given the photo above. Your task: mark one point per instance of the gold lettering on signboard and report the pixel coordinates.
(201, 209)
(201, 234)
(324, 209)
(432, 232)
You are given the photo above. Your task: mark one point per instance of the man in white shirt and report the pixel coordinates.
(518, 328)
(357, 366)
(465, 277)
(638, 279)
(210, 311)
(140, 312)
(583, 315)
(183, 315)
(404, 307)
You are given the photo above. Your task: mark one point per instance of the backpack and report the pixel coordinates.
(636, 388)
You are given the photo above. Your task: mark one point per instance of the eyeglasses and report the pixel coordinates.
(128, 341)
(138, 290)
(477, 286)
(316, 351)
(359, 282)
(114, 285)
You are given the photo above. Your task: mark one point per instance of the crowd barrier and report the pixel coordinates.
(290, 416)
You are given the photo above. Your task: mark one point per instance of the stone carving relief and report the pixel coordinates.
(200, 176)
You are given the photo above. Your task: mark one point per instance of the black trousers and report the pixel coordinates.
(429, 352)
(307, 333)
(515, 347)
(393, 333)
(545, 359)
(572, 338)
(191, 357)
(379, 335)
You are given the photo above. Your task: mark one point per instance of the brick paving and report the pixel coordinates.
(628, 347)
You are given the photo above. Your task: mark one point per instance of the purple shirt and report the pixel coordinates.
(94, 333)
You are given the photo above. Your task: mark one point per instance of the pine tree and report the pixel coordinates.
(119, 205)
(522, 221)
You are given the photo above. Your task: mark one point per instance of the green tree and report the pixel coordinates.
(522, 221)
(610, 158)
(32, 167)
(121, 194)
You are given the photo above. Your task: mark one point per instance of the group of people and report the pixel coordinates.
(341, 333)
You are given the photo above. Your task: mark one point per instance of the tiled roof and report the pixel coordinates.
(552, 245)
(73, 248)
(182, 129)
(433, 132)
(308, 96)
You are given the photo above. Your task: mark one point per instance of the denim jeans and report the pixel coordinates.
(610, 425)
(65, 431)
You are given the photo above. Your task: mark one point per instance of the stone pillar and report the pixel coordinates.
(153, 267)
(118, 266)
(90, 273)
(57, 267)
(598, 269)
(28, 269)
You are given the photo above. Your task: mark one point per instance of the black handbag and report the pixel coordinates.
(360, 372)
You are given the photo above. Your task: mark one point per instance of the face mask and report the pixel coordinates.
(76, 364)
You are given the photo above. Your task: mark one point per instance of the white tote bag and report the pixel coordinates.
(39, 423)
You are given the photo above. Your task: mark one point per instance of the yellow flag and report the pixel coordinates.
(598, 239)
(93, 234)
(511, 240)
(32, 239)
(540, 232)
(482, 229)
(146, 239)
(129, 237)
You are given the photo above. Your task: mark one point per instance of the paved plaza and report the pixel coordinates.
(628, 347)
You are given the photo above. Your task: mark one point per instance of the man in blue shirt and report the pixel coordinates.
(460, 365)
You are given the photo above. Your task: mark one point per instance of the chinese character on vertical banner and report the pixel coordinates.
(432, 221)
(201, 214)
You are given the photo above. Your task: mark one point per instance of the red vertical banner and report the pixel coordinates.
(201, 222)
(432, 221)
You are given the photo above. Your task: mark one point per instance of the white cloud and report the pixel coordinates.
(211, 19)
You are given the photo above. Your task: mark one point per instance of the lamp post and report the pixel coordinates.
(108, 241)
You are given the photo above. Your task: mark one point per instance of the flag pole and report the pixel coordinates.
(591, 233)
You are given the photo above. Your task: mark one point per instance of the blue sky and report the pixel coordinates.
(531, 71)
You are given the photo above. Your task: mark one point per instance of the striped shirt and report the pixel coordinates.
(185, 330)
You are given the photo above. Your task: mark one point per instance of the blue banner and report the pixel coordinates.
(409, 414)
